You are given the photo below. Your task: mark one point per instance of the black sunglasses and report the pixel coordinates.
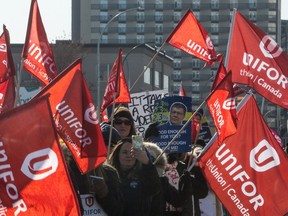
(120, 121)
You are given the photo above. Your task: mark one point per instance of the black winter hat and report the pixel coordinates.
(105, 128)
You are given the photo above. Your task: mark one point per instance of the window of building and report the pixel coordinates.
(195, 96)
(103, 16)
(271, 27)
(233, 4)
(177, 63)
(272, 15)
(252, 15)
(214, 28)
(104, 4)
(215, 4)
(195, 75)
(104, 39)
(122, 28)
(102, 27)
(197, 14)
(157, 79)
(195, 63)
(147, 74)
(158, 39)
(196, 4)
(141, 4)
(159, 16)
(140, 39)
(140, 16)
(122, 17)
(195, 87)
(178, 4)
(159, 4)
(159, 28)
(122, 5)
(252, 4)
(140, 28)
(215, 39)
(176, 75)
(214, 16)
(122, 39)
(177, 52)
(166, 82)
(177, 16)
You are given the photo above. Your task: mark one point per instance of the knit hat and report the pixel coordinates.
(123, 111)
(105, 128)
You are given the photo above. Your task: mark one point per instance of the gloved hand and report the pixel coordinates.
(186, 184)
(152, 131)
(196, 150)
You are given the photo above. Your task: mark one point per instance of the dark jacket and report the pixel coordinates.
(139, 185)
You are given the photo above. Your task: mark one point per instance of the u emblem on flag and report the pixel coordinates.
(263, 157)
(269, 47)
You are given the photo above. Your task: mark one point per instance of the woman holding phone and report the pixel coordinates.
(139, 177)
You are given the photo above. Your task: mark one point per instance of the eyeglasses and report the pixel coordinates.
(120, 121)
(177, 113)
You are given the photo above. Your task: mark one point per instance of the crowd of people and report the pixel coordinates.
(140, 181)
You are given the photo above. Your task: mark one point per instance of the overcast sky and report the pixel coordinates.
(56, 17)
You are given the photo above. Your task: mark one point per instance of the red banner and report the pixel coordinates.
(116, 85)
(75, 117)
(222, 107)
(7, 68)
(7, 95)
(190, 36)
(37, 53)
(248, 172)
(34, 179)
(256, 60)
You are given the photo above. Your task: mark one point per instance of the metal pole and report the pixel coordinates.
(98, 57)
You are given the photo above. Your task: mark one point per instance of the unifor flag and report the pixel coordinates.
(256, 60)
(75, 117)
(116, 85)
(222, 107)
(37, 54)
(190, 36)
(34, 179)
(7, 95)
(7, 68)
(182, 90)
(248, 171)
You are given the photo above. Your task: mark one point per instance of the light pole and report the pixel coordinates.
(98, 57)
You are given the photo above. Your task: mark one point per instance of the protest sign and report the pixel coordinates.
(142, 107)
(170, 114)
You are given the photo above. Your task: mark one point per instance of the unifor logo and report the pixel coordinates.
(40, 164)
(229, 104)
(263, 157)
(209, 43)
(91, 115)
(269, 47)
(89, 200)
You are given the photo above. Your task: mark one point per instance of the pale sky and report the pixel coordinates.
(56, 17)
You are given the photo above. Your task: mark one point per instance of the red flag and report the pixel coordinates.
(221, 73)
(7, 68)
(37, 53)
(75, 117)
(256, 60)
(182, 90)
(191, 37)
(248, 172)
(116, 84)
(222, 107)
(7, 95)
(34, 178)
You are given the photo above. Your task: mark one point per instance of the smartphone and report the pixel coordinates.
(137, 141)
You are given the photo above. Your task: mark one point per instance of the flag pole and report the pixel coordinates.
(111, 127)
(18, 82)
(230, 35)
(151, 61)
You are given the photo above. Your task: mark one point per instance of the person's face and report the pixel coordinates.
(125, 158)
(123, 126)
(177, 115)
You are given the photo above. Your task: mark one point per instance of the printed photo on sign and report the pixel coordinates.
(170, 114)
